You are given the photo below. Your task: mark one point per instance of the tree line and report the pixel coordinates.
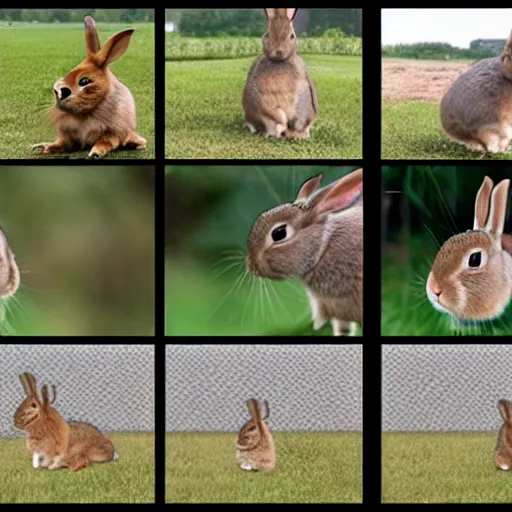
(77, 15)
(252, 22)
(435, 51)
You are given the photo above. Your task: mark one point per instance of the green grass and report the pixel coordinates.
(311, 468)
(33, 59)
(406, 310)
(412, 129)
(189, 48)
(127, 480)
(204, 116)
(442, 468)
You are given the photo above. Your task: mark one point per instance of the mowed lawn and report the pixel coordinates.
(204, 115)
(127, 480)
(34, 58)
(311, 468)
(442, 467)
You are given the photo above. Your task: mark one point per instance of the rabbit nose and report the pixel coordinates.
(279, 54)
(64, 92)
(436, 289)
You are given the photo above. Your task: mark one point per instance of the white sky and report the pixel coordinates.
(454, 26)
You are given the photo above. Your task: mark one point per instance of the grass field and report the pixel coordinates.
(127, 480)
(411, 126)
(311, 468)
(34, 58)
(442, 468)
(204, 116)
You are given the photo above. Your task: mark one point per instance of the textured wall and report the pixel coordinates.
(110, 386)
(449, 387)
(315, 387)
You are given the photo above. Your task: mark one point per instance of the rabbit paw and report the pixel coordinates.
(342, 328)
(45, 148)
(55, 463)
(246, 467)
(36, 460)
(251, 128)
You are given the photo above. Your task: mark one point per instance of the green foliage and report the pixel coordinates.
(435, 51)
(77, 15)
(442, 467)
(34, 56)
(201, 468)
(127, 480)
(204, 116)
(232, 47)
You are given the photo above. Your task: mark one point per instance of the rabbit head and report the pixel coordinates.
(86, 86)
(280, 41)
(9, 272)
(34, 411)
(471, 277)
(289, 240)
(503, 450)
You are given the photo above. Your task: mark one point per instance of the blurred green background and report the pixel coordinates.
(209, 213)
(423, 206)
(83, 238)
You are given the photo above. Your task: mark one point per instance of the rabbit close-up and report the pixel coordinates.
(476, 109)
(52, 442)
(319, 238)
(471, 276)
(255, 446)
(93, 109)
(279, 98)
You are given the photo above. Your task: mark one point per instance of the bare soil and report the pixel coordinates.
(419, 80)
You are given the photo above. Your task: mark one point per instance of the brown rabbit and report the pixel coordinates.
(503, 450)
(471, 277)
(477, 109)
(9, 272)
(318, 238)
(93, 109)
(59, 444)
(279, 97)
(255, 447)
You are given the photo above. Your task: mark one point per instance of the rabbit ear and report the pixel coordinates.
(29, 384)
(308, 187)
(499, 198)
(114, 48)
(291, 13)
(264, 410)
(505, 408)
(53, 394)
(482, 203)
(45, 395)
(92, 39)
(341, 194)
(270, 13)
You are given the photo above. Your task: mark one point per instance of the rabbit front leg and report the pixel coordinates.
(105, 145)
(319, 319)
(47, 148)
(134, 139)
(36, 460)
(342, 328)
(56, 462)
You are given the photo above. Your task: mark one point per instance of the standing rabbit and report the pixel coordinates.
(503, 450)
(255, 447)
(471, 277)
(477, 109)
(52, 441)
(279, 97)
(9, 272)
(318, 238)
(93, 109)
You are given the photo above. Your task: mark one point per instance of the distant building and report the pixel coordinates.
(495, 45)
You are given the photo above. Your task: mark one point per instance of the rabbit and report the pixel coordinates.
(279, 98)
(93, 109)
(477, 109)
(255, 447)
(471, 276)
(9, 271)
(503, 450)
(318, 238)
(52, 441)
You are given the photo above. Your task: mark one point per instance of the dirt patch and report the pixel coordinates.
(418, 79)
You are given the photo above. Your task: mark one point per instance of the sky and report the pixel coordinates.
(457, 27)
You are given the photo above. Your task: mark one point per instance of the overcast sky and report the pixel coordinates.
(455, 26)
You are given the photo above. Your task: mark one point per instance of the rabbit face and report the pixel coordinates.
(280, 42)
(467, 280)
(82, 89)
(27, 413)
(283, 242)
(9, 272)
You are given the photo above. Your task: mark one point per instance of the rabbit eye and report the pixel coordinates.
(292, 36)
(279, 233)
(33, 404)
(83, 82)
(475, 259)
